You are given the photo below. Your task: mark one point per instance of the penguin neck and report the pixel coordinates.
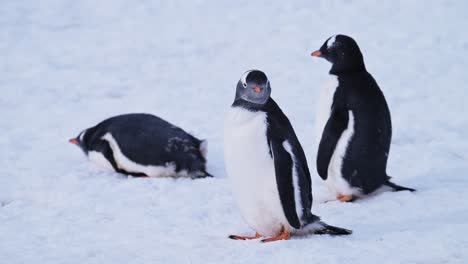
(339, 69)
(352, 64)
(86, 138)
(248, 105)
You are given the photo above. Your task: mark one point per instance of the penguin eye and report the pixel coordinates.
(244, 84)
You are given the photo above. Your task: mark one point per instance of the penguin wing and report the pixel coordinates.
(335, 126)
(284, 166)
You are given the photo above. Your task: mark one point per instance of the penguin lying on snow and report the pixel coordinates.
(144, 145)
(356, 125)
(267, 165)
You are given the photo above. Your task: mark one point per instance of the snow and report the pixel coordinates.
(67, 65)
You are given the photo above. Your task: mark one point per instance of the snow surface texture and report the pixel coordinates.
(67, 65)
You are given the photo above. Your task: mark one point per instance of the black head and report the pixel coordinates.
(254, 88)
(344, 54)
(80, 141)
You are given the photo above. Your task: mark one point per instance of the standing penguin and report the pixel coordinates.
(143, 145)
(267, 165)
(356, 125)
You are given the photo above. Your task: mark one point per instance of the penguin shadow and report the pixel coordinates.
(141, 176)
(5, 203)
(295, 235)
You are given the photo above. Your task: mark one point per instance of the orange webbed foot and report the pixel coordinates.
(345, 198)
(285, 235)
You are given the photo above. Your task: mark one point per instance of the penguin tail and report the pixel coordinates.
(321, 228)
(396, 187)
(327, 229)
(201, 174)
(206, 174)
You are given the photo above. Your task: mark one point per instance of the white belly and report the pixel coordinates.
(251, 171)
(335, 181)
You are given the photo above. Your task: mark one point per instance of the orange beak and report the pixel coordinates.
(74, 141)
(316, 53)
(257, 89)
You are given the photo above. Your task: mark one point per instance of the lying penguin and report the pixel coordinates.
(143, 145)
(267, 166)
(356, 124)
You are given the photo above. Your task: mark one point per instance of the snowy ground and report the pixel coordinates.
(66, 65)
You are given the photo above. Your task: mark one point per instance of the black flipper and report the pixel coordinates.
(284, 179)
(106, 150)
(396, 187)
(134, 174)
(279, 131)
(335, 126)
(332, 230)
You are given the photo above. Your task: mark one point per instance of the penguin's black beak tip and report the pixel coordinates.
(316, 53)
(74, 141)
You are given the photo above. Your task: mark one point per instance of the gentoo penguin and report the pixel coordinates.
(267, 165)
(355, 124)
(143, 145)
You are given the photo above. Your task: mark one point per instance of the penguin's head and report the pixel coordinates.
(253, 87)
(80, 141)
(343, 52)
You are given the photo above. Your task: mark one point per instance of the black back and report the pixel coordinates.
(147, 140)
(365, 161)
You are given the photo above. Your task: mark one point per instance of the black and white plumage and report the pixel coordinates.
(354, 122)
(267, 166)
(144, 145)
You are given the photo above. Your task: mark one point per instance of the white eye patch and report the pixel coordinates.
(331, 41)
(81, 136)
(243, 78)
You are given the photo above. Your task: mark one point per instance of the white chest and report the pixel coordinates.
(251, 171)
